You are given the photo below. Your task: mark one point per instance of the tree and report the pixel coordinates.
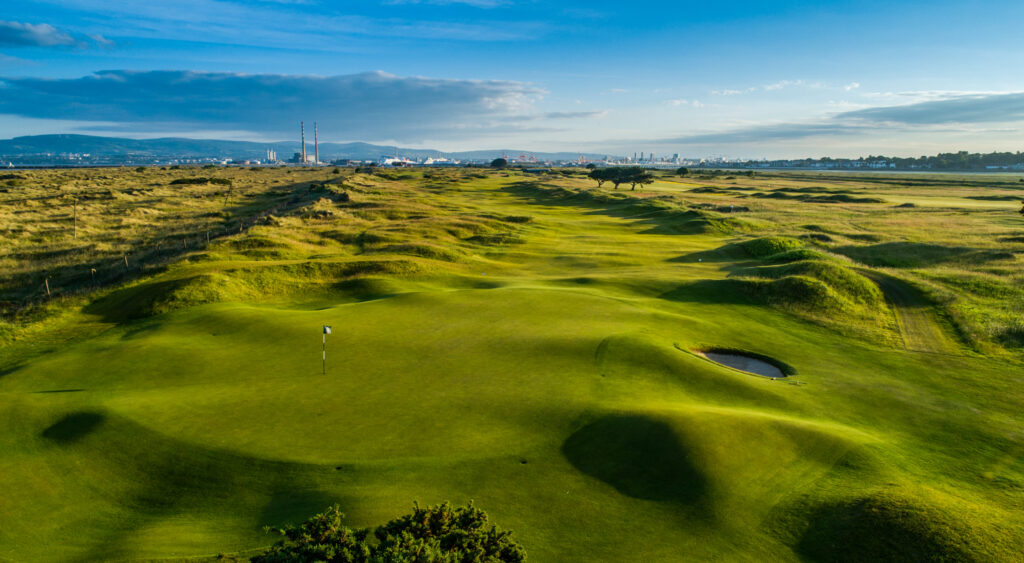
(1022, 208)
(436, 534)
(683, 171)
(499, 163)
(601, 175)
(635, 176)
(591, 166)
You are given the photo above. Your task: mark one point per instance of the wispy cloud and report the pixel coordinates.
(17, 34)
(761, 133)
(950, 115)
(473, 3)
(576, 114)
(371, 105)
(963, 108)
(288, 24)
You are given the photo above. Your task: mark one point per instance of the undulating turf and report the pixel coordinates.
(525, 342)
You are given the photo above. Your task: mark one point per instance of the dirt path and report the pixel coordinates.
(918, 326)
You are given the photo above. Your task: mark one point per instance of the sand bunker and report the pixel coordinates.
(744, 363)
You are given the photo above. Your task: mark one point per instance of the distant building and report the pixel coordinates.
(297, 159)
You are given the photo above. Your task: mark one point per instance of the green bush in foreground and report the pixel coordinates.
(436, 534)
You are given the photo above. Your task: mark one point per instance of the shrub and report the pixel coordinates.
(439, 534)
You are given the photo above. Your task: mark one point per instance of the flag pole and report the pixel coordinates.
(323, 350)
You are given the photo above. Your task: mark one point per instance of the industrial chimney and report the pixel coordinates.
(316, 146)
(302, 125)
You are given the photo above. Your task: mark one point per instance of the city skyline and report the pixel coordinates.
(747, 80)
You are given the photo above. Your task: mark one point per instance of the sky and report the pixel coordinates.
(743, 79)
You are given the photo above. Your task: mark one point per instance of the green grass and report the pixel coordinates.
(525, 344)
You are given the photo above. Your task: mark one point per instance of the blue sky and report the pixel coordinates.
(743, 79)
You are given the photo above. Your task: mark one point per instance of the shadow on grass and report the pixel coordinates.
(132, 303)
(639, 456)
(663, 214)
(728, 253)
(727, 291)
(73, 427)
(877, 530)
(917, 254)
(290, 506)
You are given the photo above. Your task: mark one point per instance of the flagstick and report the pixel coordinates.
(324, 335)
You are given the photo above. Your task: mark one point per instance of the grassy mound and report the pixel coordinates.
(844, 281)
(801, 292)
(798, 254)
(251, 283)
(884, 527)
(766, 247)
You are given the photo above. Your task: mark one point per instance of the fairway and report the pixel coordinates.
(531, 343)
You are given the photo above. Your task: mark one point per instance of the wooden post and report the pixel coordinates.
(126, 262)
(76, 218)
(92, 272)
(46, 282)
(207, 237)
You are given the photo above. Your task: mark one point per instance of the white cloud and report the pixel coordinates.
(16, 34)
(370, 105)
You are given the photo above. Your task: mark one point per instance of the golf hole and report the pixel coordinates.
(748, 362)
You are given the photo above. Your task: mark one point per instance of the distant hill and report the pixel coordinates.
(177, 147)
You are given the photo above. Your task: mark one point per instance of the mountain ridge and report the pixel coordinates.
(183, 147)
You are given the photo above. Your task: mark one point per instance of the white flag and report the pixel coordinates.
(327, 329)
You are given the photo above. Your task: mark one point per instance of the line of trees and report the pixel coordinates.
(632, 175)
(961, 160)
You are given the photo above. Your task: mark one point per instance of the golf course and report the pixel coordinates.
(554, 351)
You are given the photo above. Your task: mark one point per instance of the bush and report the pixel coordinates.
(439, 534)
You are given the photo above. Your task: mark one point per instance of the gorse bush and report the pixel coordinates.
(436, 534)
